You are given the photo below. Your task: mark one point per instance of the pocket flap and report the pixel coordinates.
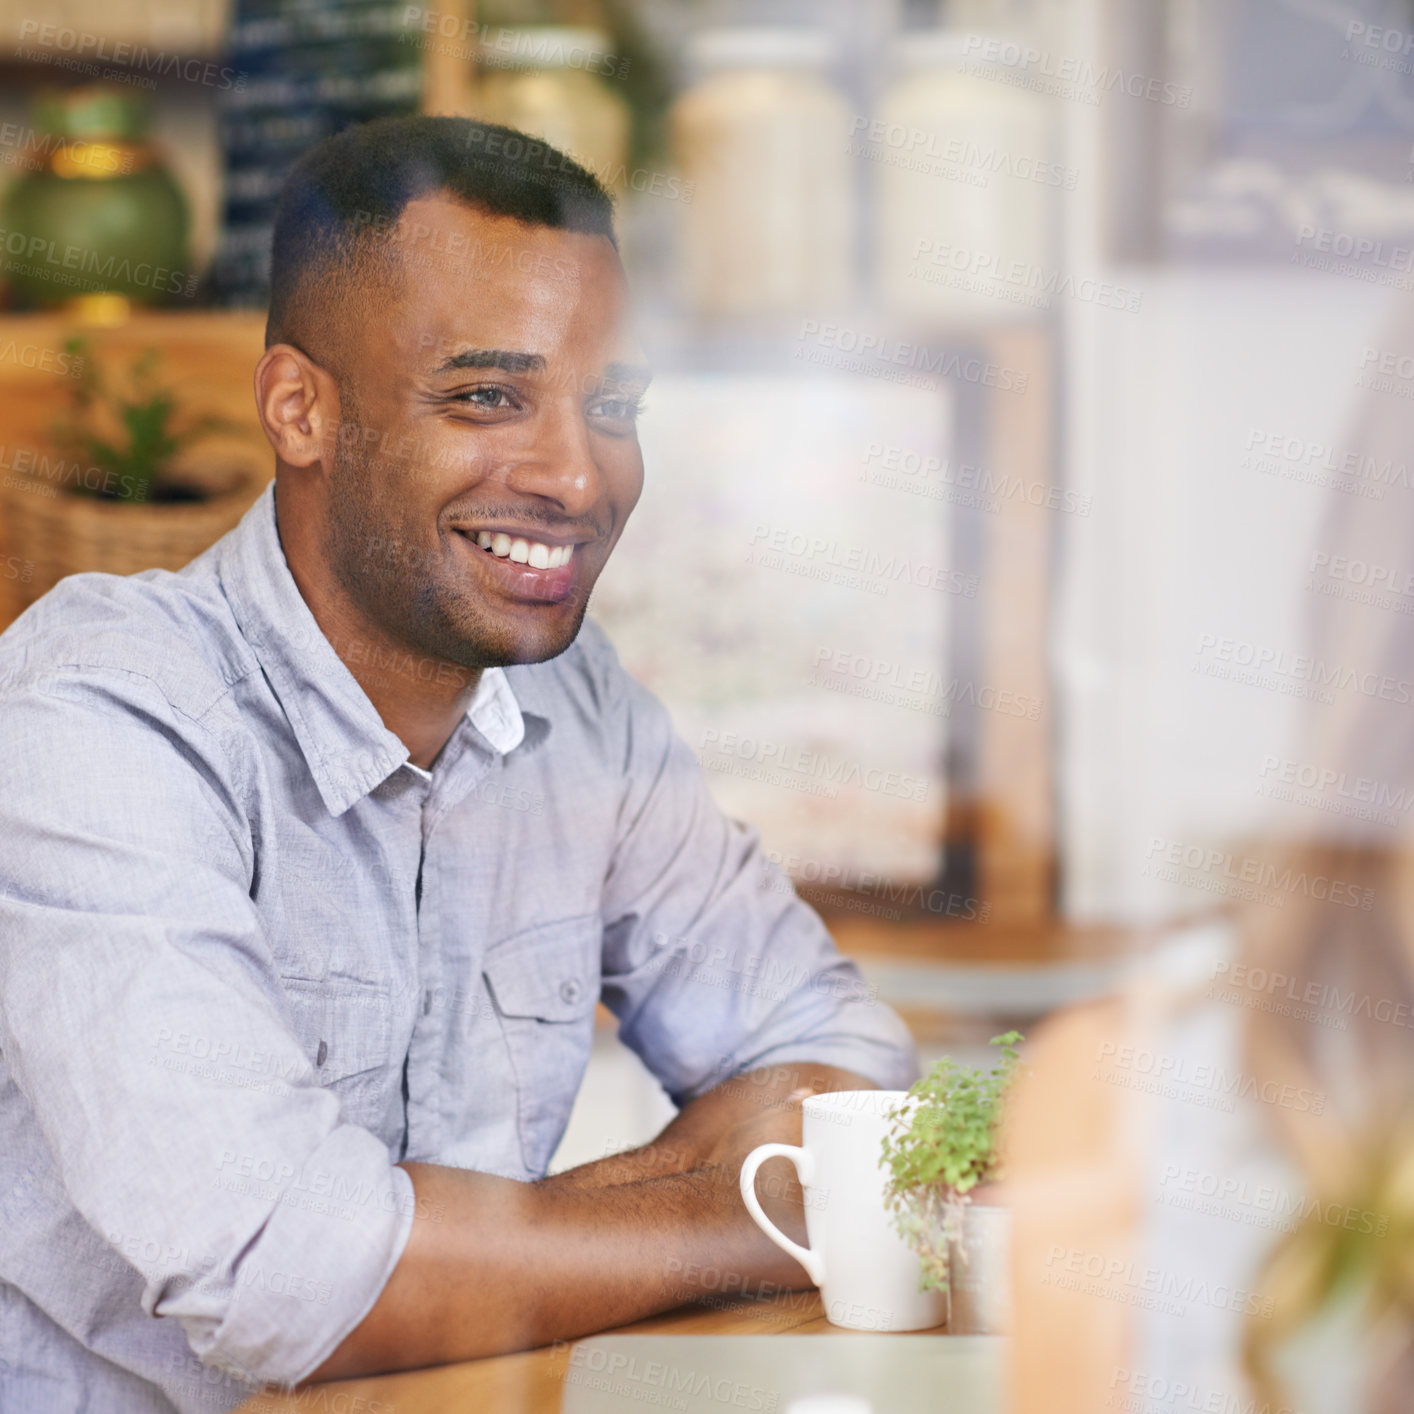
(344, 1026)
(550, 972)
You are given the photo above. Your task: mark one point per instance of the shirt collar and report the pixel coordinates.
(345, 744)
(495, 713)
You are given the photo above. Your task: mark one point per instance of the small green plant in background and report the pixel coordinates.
(131, 434)
(942, 1145)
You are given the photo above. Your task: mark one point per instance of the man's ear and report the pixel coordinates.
(298, 404)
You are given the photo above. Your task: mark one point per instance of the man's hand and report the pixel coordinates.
(777, 1186)
(697, 1135)
(780, 1124)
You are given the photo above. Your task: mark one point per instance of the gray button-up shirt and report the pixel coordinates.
(251, 957)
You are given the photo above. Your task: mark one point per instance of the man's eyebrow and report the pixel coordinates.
(507, 360)
(619, 374)
(616, 375)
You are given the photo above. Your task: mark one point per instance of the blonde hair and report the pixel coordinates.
(1354, 966)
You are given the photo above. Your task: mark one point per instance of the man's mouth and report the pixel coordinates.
(522, 568)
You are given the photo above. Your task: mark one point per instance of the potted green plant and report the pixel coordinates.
(944, 1147)
(118, 490)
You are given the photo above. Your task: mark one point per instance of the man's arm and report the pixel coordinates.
(688, 1140)
(493, 1265)
(711, 962)
(140, 1020)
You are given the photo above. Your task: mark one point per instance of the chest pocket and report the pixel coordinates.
(345, 1028)
(545, 983)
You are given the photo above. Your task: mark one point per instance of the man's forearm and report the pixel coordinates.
(667, 1154)
(692, 1134)
(509, 1265)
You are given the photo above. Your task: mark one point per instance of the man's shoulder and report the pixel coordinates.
(175, 630)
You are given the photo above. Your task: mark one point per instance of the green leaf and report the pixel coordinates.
(154, 433)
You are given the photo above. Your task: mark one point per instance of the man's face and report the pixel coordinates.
(487, 454)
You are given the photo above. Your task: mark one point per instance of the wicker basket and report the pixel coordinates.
(54, 533)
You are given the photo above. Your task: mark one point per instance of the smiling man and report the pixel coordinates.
(319, 854)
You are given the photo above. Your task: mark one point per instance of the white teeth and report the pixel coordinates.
(525, 552)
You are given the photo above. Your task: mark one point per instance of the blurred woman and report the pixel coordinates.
(1213, 1173)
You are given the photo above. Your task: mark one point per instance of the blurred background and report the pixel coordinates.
(1017, 361)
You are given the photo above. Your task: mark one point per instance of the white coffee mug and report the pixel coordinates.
(867, 1274)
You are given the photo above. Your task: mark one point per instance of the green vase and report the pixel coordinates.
(102, 215)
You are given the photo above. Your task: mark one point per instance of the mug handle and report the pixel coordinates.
(805, 1168)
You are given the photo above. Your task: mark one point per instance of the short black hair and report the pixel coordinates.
(346, 194)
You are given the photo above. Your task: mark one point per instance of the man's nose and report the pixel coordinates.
(558, 464)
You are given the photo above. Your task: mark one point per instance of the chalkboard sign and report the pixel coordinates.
(307, 68)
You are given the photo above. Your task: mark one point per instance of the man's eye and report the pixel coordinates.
(618, 409)
(485, 397)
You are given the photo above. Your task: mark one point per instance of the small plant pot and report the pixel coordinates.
(978, 1277)
(55, 533)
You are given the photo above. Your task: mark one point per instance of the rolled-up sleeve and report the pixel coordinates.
(142, 1019)
(712, 963)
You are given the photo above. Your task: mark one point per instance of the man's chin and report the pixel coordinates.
(521, 643)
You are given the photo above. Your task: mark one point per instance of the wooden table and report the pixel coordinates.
(532, 1382)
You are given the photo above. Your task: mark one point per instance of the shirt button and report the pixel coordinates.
(323, 1053)
(569, 991)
